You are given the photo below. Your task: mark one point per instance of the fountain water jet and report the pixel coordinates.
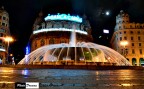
(77, 52)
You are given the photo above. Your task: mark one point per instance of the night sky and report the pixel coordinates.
(22, 14)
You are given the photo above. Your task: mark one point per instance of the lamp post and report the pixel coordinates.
(8, 39)
(124, 44)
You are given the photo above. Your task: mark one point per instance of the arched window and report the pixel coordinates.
(42, 42)
(134, 61)
(141, 61)
(62, 41)
(51, 41)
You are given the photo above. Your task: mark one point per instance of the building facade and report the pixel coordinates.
(133, 34)
(4, 31)
(56, 29)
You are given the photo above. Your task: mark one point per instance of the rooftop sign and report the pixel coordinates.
(63, 17)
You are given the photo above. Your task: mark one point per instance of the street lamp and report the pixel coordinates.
(124, 44)
(8, 39)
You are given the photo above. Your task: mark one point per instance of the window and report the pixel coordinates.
(120, 38)
(131, 32)
(140, 51)
(132, 44)
(138, 32)
(139, 44)
(3, 24)
(138, 37)
(0, 17)
(131, 38)
(133, 51)
(42, 42)
(119, 27)
(125, 38)
(124, 27)
(62, 41)
(126, 51)
(51, 41)
(4, 18)
(124, 32)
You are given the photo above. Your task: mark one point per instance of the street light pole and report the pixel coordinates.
(8, 39)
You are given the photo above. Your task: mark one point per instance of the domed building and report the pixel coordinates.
(56, 29)
(4, 31)
(128, 39)
(64, 39)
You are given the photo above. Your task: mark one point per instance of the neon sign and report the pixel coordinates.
(59, 29)
(27, 50)
(63, 17)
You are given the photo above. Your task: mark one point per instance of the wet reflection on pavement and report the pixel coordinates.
(73, 79)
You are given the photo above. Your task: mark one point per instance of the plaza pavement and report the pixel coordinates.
(73, 78)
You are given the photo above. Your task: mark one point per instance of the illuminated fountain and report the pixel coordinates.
(76, 52)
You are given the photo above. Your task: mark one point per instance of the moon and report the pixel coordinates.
(107, 13)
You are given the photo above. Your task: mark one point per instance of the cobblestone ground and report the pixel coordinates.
(73, 79)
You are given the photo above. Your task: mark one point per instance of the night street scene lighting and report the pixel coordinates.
(76, 44)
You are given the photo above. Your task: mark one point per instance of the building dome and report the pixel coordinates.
(122, 17)
(3, 11)
(55, 29)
